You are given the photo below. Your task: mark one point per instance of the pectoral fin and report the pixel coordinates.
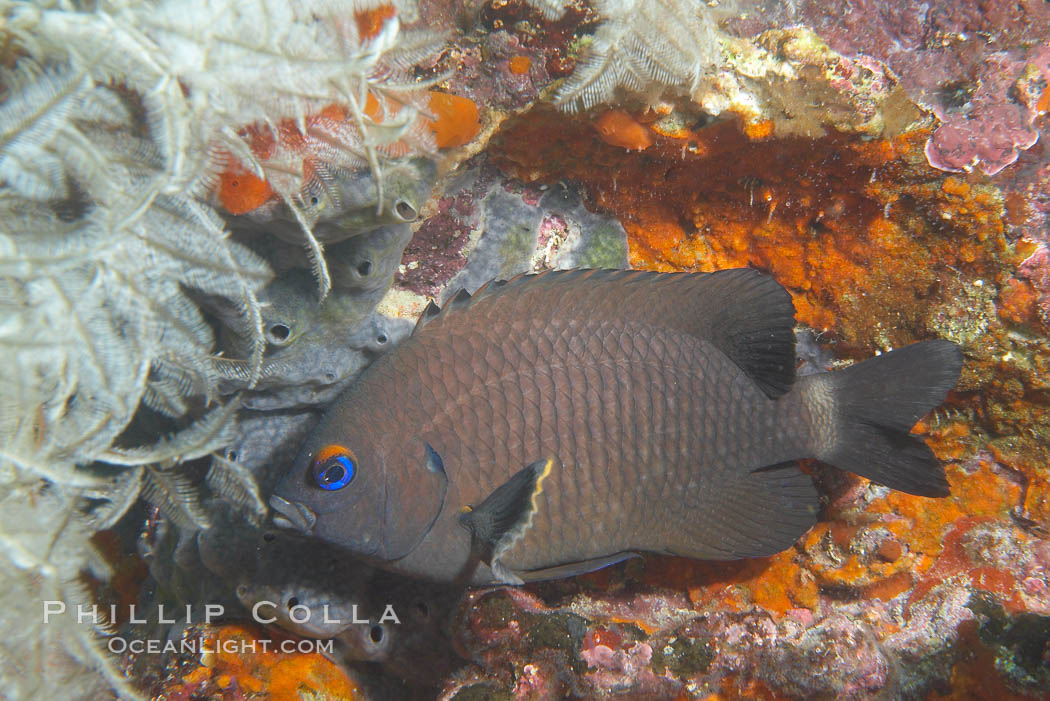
(504, 517)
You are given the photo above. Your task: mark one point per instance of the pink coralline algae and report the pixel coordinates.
(991, 129)
(980, 67)
(837, 657)
(619, 667)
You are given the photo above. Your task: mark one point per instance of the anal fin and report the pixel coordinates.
(504, 517)
(756, 514)
(572, 569)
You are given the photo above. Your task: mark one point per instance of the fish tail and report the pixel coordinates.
(864, 415)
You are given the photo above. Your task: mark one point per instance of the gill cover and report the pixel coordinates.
(336, 493)
(415, 498)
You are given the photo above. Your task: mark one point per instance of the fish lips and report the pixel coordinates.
(299, 518)
(293, 515)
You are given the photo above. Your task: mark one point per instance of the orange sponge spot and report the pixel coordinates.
(1018, 301)
(380, 109)
(519, 65)
(241, 191)
(955, 186)
(371, 107)
(239, 661)
(370, 22)
(758, 131)
(334, 112)
(457, 119)
(618, 128)
(1043, 106)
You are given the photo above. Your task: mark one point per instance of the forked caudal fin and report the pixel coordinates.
(877, 402)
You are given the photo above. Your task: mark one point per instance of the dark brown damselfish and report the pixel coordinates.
(560, 422)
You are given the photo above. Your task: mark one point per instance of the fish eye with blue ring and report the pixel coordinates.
(334, 467)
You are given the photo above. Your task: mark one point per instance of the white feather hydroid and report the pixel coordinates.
(114, 125)
(646, 47)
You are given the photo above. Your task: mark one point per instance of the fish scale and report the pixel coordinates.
(557, 423)
(566, 427)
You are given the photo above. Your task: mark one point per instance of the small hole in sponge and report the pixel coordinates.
(406, 211)
(279, 333)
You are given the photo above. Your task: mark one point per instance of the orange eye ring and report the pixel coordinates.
(332, 450)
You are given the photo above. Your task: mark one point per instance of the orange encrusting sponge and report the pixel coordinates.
(457, 121)
(618, 128)
(241, 191)
(370, 22)
(519, 65)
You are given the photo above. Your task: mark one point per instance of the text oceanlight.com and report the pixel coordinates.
(262, 612)
(119, 646)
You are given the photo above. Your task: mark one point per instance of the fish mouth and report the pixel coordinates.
(292, 515)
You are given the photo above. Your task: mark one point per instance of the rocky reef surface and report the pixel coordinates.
(882, 162)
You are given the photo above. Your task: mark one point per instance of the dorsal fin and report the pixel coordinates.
(492, 286)
(460, 298)
(751, 319)
(431, 311)
(744, 313)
